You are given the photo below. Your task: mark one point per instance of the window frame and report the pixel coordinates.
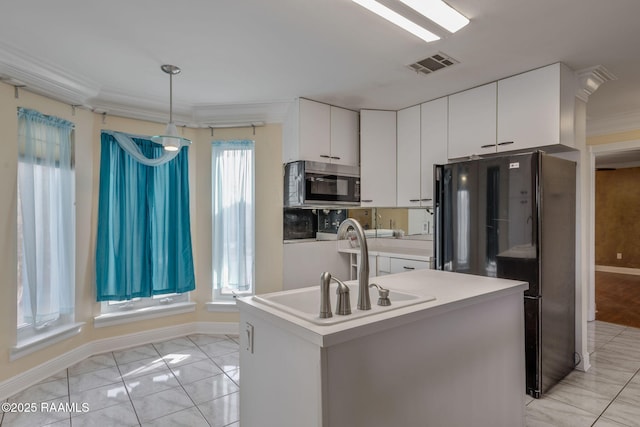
(222, 297)
(139, 304)
(28, 333)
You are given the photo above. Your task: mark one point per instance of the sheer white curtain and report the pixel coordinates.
(46, 250)
(233, 217)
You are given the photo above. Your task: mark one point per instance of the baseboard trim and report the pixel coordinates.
(41, 372)
(619, 270)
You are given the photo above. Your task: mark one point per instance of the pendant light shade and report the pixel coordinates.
(171, 141)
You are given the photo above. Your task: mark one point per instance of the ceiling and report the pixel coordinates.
(245, 60)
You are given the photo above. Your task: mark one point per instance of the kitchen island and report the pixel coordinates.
(457, 360)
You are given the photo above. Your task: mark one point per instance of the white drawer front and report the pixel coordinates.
(400, 265)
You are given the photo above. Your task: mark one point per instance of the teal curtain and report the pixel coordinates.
(144, 231)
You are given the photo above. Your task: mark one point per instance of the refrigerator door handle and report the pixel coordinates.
(437, 216)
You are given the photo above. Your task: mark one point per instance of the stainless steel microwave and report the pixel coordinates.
(309, 183)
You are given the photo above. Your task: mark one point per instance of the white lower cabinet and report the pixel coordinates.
(391, 265)
(384, 265)
(380, 265)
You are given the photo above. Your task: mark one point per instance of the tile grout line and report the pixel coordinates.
(615, 397)
(550, 396)
(623, 387)
(179, 385)
(121, 379)
(219, 367)
(69, 394)
(185, 391)
(126, 389)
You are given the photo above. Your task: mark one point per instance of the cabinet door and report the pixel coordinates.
(378, 158)
(433, 145)
(314, 131)
(472, 122)
(408, 161)
(529, 109)
(345, 141)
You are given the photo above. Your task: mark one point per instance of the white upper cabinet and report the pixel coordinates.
(315, 131)
(530, 110)
(408, 161)
(434, 136)
(536, 109)
(345, 137)
(472, 122)
(322, 133)
(422, 142)
(378, 158)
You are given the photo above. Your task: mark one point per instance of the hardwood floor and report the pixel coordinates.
(618, 298)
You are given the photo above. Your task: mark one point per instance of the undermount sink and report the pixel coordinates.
(305, 303)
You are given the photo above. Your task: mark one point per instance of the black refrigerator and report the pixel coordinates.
(513, 217)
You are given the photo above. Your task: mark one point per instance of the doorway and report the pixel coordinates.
(616, 250)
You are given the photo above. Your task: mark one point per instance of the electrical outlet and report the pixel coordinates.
(619, 255)
(249, 337)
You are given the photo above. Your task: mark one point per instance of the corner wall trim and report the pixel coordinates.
(619, 270)
(34, 375)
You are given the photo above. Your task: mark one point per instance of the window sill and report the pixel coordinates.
(222, 306)
(45, 339)
(118, 318)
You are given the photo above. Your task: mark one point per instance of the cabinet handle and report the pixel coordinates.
(324, 156)
(366, 201)
(335, 157)
(505, 143)
(414, 200)
(426, 200)
(488, 145)
(409, 268)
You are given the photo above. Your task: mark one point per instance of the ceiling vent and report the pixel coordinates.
(433, 63)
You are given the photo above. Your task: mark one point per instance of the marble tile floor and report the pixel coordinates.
(194, 381)
(608, 395)
(189, 381)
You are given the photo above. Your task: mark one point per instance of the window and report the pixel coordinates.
(143, 245)
(233, 206)
(46, 224)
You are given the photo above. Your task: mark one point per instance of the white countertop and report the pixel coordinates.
(453, 291)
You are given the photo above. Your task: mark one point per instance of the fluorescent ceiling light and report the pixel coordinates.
(397, 19)
(439, 12)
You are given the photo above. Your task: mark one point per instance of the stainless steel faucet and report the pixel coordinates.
(343, 302)
(325, 303)
(364, 302)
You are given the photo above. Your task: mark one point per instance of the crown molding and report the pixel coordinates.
(115, 103)
(590, 79)
(212, 115)
(193, 116)
(20, 69)
(623, 122)
(45, 79)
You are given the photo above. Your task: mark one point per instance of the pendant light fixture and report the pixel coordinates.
(171, 141)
